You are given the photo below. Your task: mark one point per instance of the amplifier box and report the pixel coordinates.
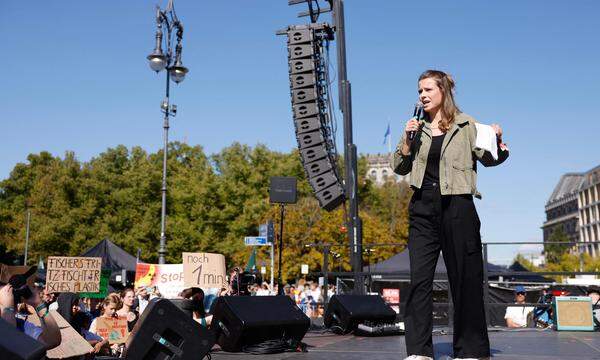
(573, 313)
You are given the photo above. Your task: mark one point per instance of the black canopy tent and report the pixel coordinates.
(521, 278)
(399, 264)
(115, 259)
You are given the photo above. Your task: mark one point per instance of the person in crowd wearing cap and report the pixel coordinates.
(516, 316)
(594, 292)
(48, 332)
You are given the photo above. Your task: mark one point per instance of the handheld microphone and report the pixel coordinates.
(419, 114)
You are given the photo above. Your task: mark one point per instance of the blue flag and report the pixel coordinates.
(387, 133)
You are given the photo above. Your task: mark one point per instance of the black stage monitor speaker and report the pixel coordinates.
(241, 321)
(165, 332)
(15, 345)
(347, 311)
(283, 190)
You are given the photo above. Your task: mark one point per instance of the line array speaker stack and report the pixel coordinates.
(308, 89)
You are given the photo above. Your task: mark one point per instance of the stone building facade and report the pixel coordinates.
(379, 169)
(574, 206)
(589, 210)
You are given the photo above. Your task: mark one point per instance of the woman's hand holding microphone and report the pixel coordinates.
(411, 125)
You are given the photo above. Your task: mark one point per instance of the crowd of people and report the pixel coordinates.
(308, 295)
(32, 315)
(31, 311)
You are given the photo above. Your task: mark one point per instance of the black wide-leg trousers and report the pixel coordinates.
(450, 224)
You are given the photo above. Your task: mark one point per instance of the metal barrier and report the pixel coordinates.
(369, 274)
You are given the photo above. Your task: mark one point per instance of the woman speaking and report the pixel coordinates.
(440, 154)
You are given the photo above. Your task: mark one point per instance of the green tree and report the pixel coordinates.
(212, 203)
(554, 252)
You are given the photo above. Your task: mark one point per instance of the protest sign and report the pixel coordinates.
(8, 271)
(72, 344)
(204, 270)
(166, 278)
(73, 274)
(104, 278)
(112, 329)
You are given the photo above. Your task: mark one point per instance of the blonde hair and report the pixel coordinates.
(112, 298)
(446, 84)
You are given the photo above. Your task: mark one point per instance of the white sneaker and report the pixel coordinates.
(418, 357)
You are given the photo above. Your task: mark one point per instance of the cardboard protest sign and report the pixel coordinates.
(167, 278)
(204, 270)
(112, 329)
(71, 345)
(73, 274)
(104, 278)
(7, 271)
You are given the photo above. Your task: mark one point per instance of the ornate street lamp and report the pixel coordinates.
(159, 61)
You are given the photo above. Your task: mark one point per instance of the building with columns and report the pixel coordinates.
(379, 169)
(574, 206)
(589, 210)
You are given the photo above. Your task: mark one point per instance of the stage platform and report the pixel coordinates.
(505, 344)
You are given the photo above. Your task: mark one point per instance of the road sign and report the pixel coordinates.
(304, 269)
(256, 241)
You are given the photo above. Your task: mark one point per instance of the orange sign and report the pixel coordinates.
(167, 278)
(113, 329)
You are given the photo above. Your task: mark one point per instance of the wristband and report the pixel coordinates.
(45, 314)
(9, 308)
(41, 306)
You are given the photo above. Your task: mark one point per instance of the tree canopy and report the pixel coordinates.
(213, 201)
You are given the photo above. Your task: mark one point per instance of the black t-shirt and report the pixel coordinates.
(432, 171)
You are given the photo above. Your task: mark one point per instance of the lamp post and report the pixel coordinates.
(176, 72)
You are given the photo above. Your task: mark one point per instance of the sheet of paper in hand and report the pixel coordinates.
(486, 139)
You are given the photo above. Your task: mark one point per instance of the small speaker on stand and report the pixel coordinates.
(282, 191)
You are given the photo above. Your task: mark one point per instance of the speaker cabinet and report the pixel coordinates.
(573, 313)
(347, 311)
(241, 321)
(282, 190)
(15, 345)
(165, 332)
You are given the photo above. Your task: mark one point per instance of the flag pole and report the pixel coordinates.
(389, 137)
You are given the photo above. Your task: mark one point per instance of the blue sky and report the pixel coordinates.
(76, 78)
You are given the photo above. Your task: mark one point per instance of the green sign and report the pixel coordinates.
(104, 277)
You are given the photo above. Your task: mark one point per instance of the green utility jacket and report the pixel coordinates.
(458, 161)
